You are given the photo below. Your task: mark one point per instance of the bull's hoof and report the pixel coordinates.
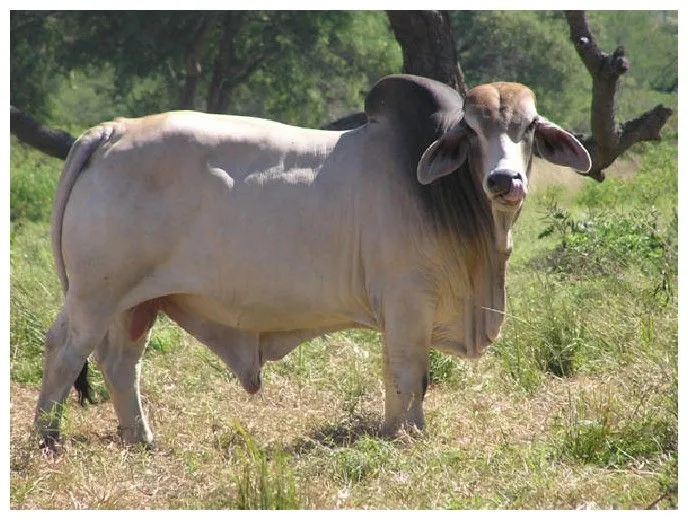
(132, 437)
(49, 444)
(396, 430)
(252, 384)
(390, 430)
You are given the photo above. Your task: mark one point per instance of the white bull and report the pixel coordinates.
(255, 236)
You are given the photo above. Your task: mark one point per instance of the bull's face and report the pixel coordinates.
(498, 133)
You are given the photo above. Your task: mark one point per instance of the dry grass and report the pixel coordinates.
(486, 445)
(547, 174)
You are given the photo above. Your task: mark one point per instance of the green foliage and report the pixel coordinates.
(441, 368)
(533, 47)
(641, 232)
(33, 179)
(546, 334)
(87, 96)
(607, 289)
(650, 40)
(655, 184)
(34, 44)
(166, 336)
(326, 79)
(669, 481)
(309, 67)
(34, 297)
(300, 67)
(530, 47)
(609, 243)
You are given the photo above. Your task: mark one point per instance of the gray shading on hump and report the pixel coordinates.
(420, 109)
(417, 112)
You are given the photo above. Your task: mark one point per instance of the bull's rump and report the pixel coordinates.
(252, 222)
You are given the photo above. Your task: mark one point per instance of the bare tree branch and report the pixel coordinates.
(609, 139)
(55, 143)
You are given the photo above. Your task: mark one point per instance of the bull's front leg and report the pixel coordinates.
(407, 333)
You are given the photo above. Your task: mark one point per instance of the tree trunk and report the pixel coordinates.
(429, 50)
(192, 61)
(55, 143)
(224, 76)
(609, 139)
(428, 46)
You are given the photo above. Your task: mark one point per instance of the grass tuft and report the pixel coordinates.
(601, 433)
(263, 482)
(363, 460)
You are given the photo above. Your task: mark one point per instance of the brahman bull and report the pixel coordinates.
(255, 236)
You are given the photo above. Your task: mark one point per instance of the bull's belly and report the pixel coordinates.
(269, 315)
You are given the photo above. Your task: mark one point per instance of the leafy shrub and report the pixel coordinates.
(607, 244)
(655, 183)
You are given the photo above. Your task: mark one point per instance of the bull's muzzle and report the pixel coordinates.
(506, 188)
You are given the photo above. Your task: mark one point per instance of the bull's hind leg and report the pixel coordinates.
(68, 343)
(119, 358)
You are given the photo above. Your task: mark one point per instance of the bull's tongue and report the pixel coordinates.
(517, 191)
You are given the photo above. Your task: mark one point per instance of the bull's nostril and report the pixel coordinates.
(500, 182)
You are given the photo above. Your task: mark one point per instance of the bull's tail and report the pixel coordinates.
(84, 390)
(79, 155)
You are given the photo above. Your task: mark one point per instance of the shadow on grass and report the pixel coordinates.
(338, 434)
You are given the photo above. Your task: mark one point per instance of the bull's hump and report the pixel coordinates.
(403, 96)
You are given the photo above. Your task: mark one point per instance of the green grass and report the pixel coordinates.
(576, 405)
(33, 179)
(35, 297)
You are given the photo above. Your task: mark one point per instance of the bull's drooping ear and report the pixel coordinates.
(444, 155)
(556, 145)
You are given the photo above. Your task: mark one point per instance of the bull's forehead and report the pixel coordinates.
(502, 106)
